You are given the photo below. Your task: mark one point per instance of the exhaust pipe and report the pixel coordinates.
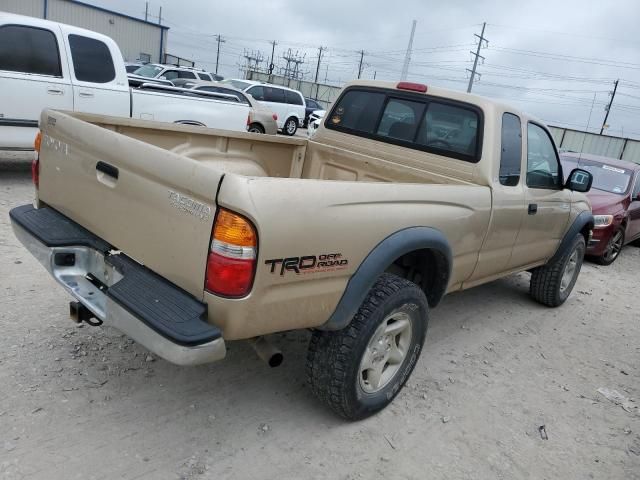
(266, 351)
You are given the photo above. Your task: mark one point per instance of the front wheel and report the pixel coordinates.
(613, 249)
(551, 284)
(357, 371)
(290, 126)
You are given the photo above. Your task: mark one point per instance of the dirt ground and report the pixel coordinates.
(505, 389)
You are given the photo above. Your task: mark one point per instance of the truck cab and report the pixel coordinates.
(48, 64)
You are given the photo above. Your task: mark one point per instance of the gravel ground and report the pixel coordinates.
(505, 389)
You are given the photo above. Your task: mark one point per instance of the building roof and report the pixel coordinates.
(88, 5)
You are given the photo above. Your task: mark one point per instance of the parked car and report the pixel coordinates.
(286, 103)
(172, 72)
(615, 200)
(314, 122)
(310, 106)
(132, 66)
(261, 119)
(45, 64)
(185, 240)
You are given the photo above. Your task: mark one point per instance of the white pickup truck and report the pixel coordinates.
(46, 64)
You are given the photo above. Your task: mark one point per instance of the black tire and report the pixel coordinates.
(255, 128)
(613, 249)
(290, 126)
(547, 285)
(335, 359)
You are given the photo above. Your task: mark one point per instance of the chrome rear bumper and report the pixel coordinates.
(88, 262)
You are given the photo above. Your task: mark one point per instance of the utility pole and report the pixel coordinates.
(407, 57)
(220, 40)
(271, 65)
(146, 12)
(318, 70)
(477, 55)
(361, 52)
(608, 107)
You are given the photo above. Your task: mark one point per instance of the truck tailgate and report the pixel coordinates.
(155, 206)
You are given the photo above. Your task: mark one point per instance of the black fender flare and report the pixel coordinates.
(379, 259)
(584, 219)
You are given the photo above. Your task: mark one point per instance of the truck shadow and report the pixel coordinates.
(244, 389)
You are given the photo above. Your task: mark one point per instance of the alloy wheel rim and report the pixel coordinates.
(386, 352)
(614, 246)
(569, 271)
(291, 128)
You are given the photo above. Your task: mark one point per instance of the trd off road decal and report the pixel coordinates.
(327, 262)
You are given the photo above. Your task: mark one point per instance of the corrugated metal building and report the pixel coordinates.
(595, 144)
(137, 38)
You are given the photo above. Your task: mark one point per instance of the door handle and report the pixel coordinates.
(107, 169)
(86, 94)
(55, 91)
(533, 208)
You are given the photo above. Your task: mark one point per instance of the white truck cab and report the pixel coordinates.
(46, 64)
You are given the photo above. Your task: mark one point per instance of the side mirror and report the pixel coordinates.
(579, 181)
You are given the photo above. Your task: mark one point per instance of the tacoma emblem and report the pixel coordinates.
(189, 205)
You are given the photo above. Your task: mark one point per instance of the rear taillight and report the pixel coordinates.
(35, 164)
(275, 117)
(232, 256)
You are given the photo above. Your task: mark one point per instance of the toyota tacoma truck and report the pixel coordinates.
(186, 238)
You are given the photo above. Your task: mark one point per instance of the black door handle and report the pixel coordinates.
(107, 169)
(533, 208)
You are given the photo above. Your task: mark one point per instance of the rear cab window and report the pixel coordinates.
(29, 50)
(432, 124)
(92, 60)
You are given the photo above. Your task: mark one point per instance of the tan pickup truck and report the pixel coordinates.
(185, 238)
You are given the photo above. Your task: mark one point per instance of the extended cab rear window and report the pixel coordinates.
(449, 128)
(92, 60)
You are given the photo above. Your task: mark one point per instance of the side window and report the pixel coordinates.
(511, 150)
(400, 119)
(170, 74)
(29, 50)
(293, 98)
(204, 76)
(186, 74)
(450, 129)
(275, 95)
(92, 60)
(257, 92)
(636, 189)
(543, 169)
(356, 111)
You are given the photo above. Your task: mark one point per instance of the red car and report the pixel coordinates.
(615, 201)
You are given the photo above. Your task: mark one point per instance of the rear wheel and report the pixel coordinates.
(290, 126)
(255, 128)
(614, 247)
(551, 284)
(359, 370)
